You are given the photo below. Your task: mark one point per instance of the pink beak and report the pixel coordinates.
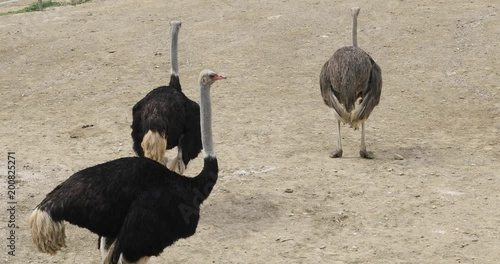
(218, 77)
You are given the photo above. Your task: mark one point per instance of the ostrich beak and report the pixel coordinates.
(218, 77)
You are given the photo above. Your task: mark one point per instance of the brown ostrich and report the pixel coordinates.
(351, 84)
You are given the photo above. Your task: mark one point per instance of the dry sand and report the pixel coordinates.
(279, 198)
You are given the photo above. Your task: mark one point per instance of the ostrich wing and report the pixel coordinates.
(156, 220)
(371, 93)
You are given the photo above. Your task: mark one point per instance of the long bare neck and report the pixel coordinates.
(206, 121)
(355, 13)
(205, 181)
(176, 25)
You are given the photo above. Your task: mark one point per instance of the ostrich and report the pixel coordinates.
(351, 74)
(152, 145)
(138, 204)
(165, 118)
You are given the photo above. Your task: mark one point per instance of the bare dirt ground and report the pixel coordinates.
(279, 198)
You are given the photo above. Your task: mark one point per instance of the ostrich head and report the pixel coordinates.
(208, 77)
(355, 11)
(176, 23)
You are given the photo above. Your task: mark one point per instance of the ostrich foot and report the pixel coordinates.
(336, 153)
(366, 154)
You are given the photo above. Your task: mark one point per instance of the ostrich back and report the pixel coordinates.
(135, 200)
(348, 75)
(168, 111)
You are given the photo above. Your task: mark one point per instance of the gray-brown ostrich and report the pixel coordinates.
(139, 205)
(351, 84)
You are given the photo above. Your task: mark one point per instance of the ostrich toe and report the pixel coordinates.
(366, 154)
(336, 153)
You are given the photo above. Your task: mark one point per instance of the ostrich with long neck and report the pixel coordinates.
(351, 84)
(165, 118)
(137, 202)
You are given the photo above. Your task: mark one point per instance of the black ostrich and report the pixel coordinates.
(138, 204)
(348, 77)
(165, 118)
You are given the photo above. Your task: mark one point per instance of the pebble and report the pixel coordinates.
(398, 157)
(288, 190)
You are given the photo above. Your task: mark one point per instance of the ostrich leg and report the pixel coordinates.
(105, 244)
(177, 164)
(107, 257)
(363, 152)
(338, 152)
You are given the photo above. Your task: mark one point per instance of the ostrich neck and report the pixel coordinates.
(206, 180)
(206, 121)
(355, 30)
(173, 51)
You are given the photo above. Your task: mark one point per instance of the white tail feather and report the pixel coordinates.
(154, 146)
(355, 121)
(48, 236)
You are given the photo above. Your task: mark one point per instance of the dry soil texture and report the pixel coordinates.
(279, 198)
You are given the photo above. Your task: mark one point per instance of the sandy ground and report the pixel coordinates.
(279, 198)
